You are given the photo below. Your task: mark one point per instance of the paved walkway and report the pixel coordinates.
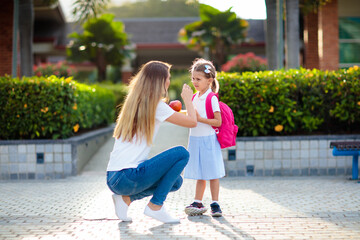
(254, 208)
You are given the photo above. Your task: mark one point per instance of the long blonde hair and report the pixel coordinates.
(206, 67)
(137, 116)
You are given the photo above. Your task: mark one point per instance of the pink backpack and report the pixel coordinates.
(226, 133)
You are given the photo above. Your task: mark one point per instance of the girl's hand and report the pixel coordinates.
(198, 117)
(187, 93)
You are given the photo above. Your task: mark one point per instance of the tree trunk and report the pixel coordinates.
(100, 62)
(271, 34)
(26, 29)
(101, 73)
(220, 53)
(292, 34)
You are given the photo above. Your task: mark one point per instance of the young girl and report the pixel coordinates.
(130, 174)
(206, 162)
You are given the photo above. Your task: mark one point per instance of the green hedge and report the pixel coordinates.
(51, 107)
(296, 101)
(120, 91)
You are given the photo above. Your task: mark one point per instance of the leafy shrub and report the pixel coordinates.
(61, 69)
(296, 101)
(39, 107)
(120, 91)
(248, 62)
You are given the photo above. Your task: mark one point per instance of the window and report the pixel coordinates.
(349, 41)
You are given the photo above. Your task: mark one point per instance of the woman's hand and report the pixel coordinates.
(180, 119)
(186, 93)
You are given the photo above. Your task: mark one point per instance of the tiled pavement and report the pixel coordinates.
(254, 208)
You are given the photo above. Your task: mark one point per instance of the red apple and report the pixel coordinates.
(176, 105)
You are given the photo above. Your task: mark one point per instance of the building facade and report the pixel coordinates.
(332, 36)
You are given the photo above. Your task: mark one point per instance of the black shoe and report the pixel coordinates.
(215, 210)
(195, 209)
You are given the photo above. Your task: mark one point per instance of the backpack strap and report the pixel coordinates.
(208, 105)
(193, 97)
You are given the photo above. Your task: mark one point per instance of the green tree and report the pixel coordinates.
(156, 8)
(216, 32)
(103, 43)
(85, 9)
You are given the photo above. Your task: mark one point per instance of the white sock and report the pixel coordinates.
(198, 201)
(161, 215)
(121, 208)
(215, 202)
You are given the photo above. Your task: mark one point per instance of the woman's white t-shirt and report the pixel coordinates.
(203, 129)
(131, 154)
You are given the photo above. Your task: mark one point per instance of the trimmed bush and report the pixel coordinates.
(42, 108)
(120, 91)
(297, 101)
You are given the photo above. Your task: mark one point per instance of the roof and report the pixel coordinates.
(155, 30)
(49, 23)
(165, 30)
(153, 34)
(48, 12)
(256, 30)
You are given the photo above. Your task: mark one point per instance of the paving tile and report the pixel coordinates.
(80, 207)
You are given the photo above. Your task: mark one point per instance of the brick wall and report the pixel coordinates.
(311, 54)
(328, 17)
(321, 38)
(6, 36)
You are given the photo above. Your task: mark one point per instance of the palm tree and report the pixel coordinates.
(86, 9)
(103, 42)
(216, 32)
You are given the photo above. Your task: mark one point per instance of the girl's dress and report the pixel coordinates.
(206, 161)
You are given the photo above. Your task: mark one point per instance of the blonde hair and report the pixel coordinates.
(137, 116)
(206, 67)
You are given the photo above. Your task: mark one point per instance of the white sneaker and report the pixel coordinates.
(121, 208)
(161, 215)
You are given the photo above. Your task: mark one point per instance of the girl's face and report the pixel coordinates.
(200, 82)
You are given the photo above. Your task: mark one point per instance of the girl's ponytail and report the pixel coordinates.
(215, 86)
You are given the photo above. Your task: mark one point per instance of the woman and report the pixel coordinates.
(130, 174)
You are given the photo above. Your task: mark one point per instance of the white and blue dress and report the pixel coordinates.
(206, 161)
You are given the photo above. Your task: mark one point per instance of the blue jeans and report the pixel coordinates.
(157, 176)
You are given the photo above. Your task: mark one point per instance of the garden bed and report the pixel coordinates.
(49, 159)
(287, 156)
